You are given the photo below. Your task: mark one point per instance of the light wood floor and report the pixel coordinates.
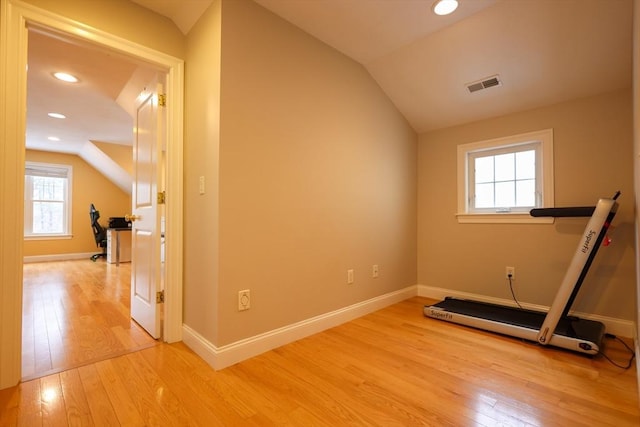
(74, 313)
(393, 367)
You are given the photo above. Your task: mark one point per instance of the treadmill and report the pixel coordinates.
(555, 327)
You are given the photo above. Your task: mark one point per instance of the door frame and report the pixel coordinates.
(14, 18)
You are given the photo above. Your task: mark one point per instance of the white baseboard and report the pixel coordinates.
(621, 327)
(230, 354)
(58, 257)
(227, 355)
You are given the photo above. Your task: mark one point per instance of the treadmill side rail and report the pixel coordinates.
(580, 345)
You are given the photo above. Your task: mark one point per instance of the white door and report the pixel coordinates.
(145, 235)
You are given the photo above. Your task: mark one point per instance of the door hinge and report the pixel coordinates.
(162, 100)
(161, 197)
(159, 297)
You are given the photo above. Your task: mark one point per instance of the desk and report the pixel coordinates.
(118, 245)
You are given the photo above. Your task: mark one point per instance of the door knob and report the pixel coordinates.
(131, 218)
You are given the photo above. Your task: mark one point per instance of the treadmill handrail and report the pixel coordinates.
(596, 226)
(581, 211)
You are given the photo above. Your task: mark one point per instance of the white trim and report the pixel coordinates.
(502, 218)
(58, 257)
(227, 355)
(621, 327)
(13, 83)
(173, 219)
(35, 237)
(14, 16)
(545, 137)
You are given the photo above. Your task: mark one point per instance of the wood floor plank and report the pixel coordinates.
(54, 409)
(179, 377)
(118, 393)
(102, 411)
(30, 405)
(76, 405)
(166, 397)
(143, 392)
(224, 388)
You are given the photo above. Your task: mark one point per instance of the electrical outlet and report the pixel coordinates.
(349, 277)
(201, 185)
(244, 300)
(375, 271)
(510, 273)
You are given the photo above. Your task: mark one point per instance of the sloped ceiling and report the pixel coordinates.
(545, 51)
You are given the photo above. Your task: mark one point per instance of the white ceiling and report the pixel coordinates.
(90, 105)
(545, 51)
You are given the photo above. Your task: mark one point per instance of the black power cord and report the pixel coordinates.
(512, 293)
(607, 335)
(633, 353)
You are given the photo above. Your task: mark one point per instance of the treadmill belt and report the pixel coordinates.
(515, 316)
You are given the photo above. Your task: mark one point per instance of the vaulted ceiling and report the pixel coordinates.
(544, 51)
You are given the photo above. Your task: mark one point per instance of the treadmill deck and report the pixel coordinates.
(571, 327)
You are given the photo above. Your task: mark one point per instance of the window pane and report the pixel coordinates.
(484, 196)
(484, 169)
(48, 217)
(526, 193)
(505, 194)
(526, 165)
(505, 167)
(45, 188)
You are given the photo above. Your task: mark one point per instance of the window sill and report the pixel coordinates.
(502, 218)
(49, 237)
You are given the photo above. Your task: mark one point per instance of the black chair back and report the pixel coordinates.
(99, 233)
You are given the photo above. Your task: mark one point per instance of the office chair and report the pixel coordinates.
(99, 233)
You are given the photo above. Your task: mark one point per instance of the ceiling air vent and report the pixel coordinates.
(484, 83)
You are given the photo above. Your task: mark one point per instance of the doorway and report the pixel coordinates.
(76, 312)
(16, 18)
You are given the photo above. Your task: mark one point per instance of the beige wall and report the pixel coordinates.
(593, 145)
(88, 186)
(317, 175)
(201, 148)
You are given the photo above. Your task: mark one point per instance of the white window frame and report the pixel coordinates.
(509, 144)
(53, 169)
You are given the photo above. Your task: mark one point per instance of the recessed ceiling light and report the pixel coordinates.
(445, 7)
(66, 77)
(57, 115)
(53, 138)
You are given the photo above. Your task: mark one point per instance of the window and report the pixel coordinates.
(47, 200)
(501, 180)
